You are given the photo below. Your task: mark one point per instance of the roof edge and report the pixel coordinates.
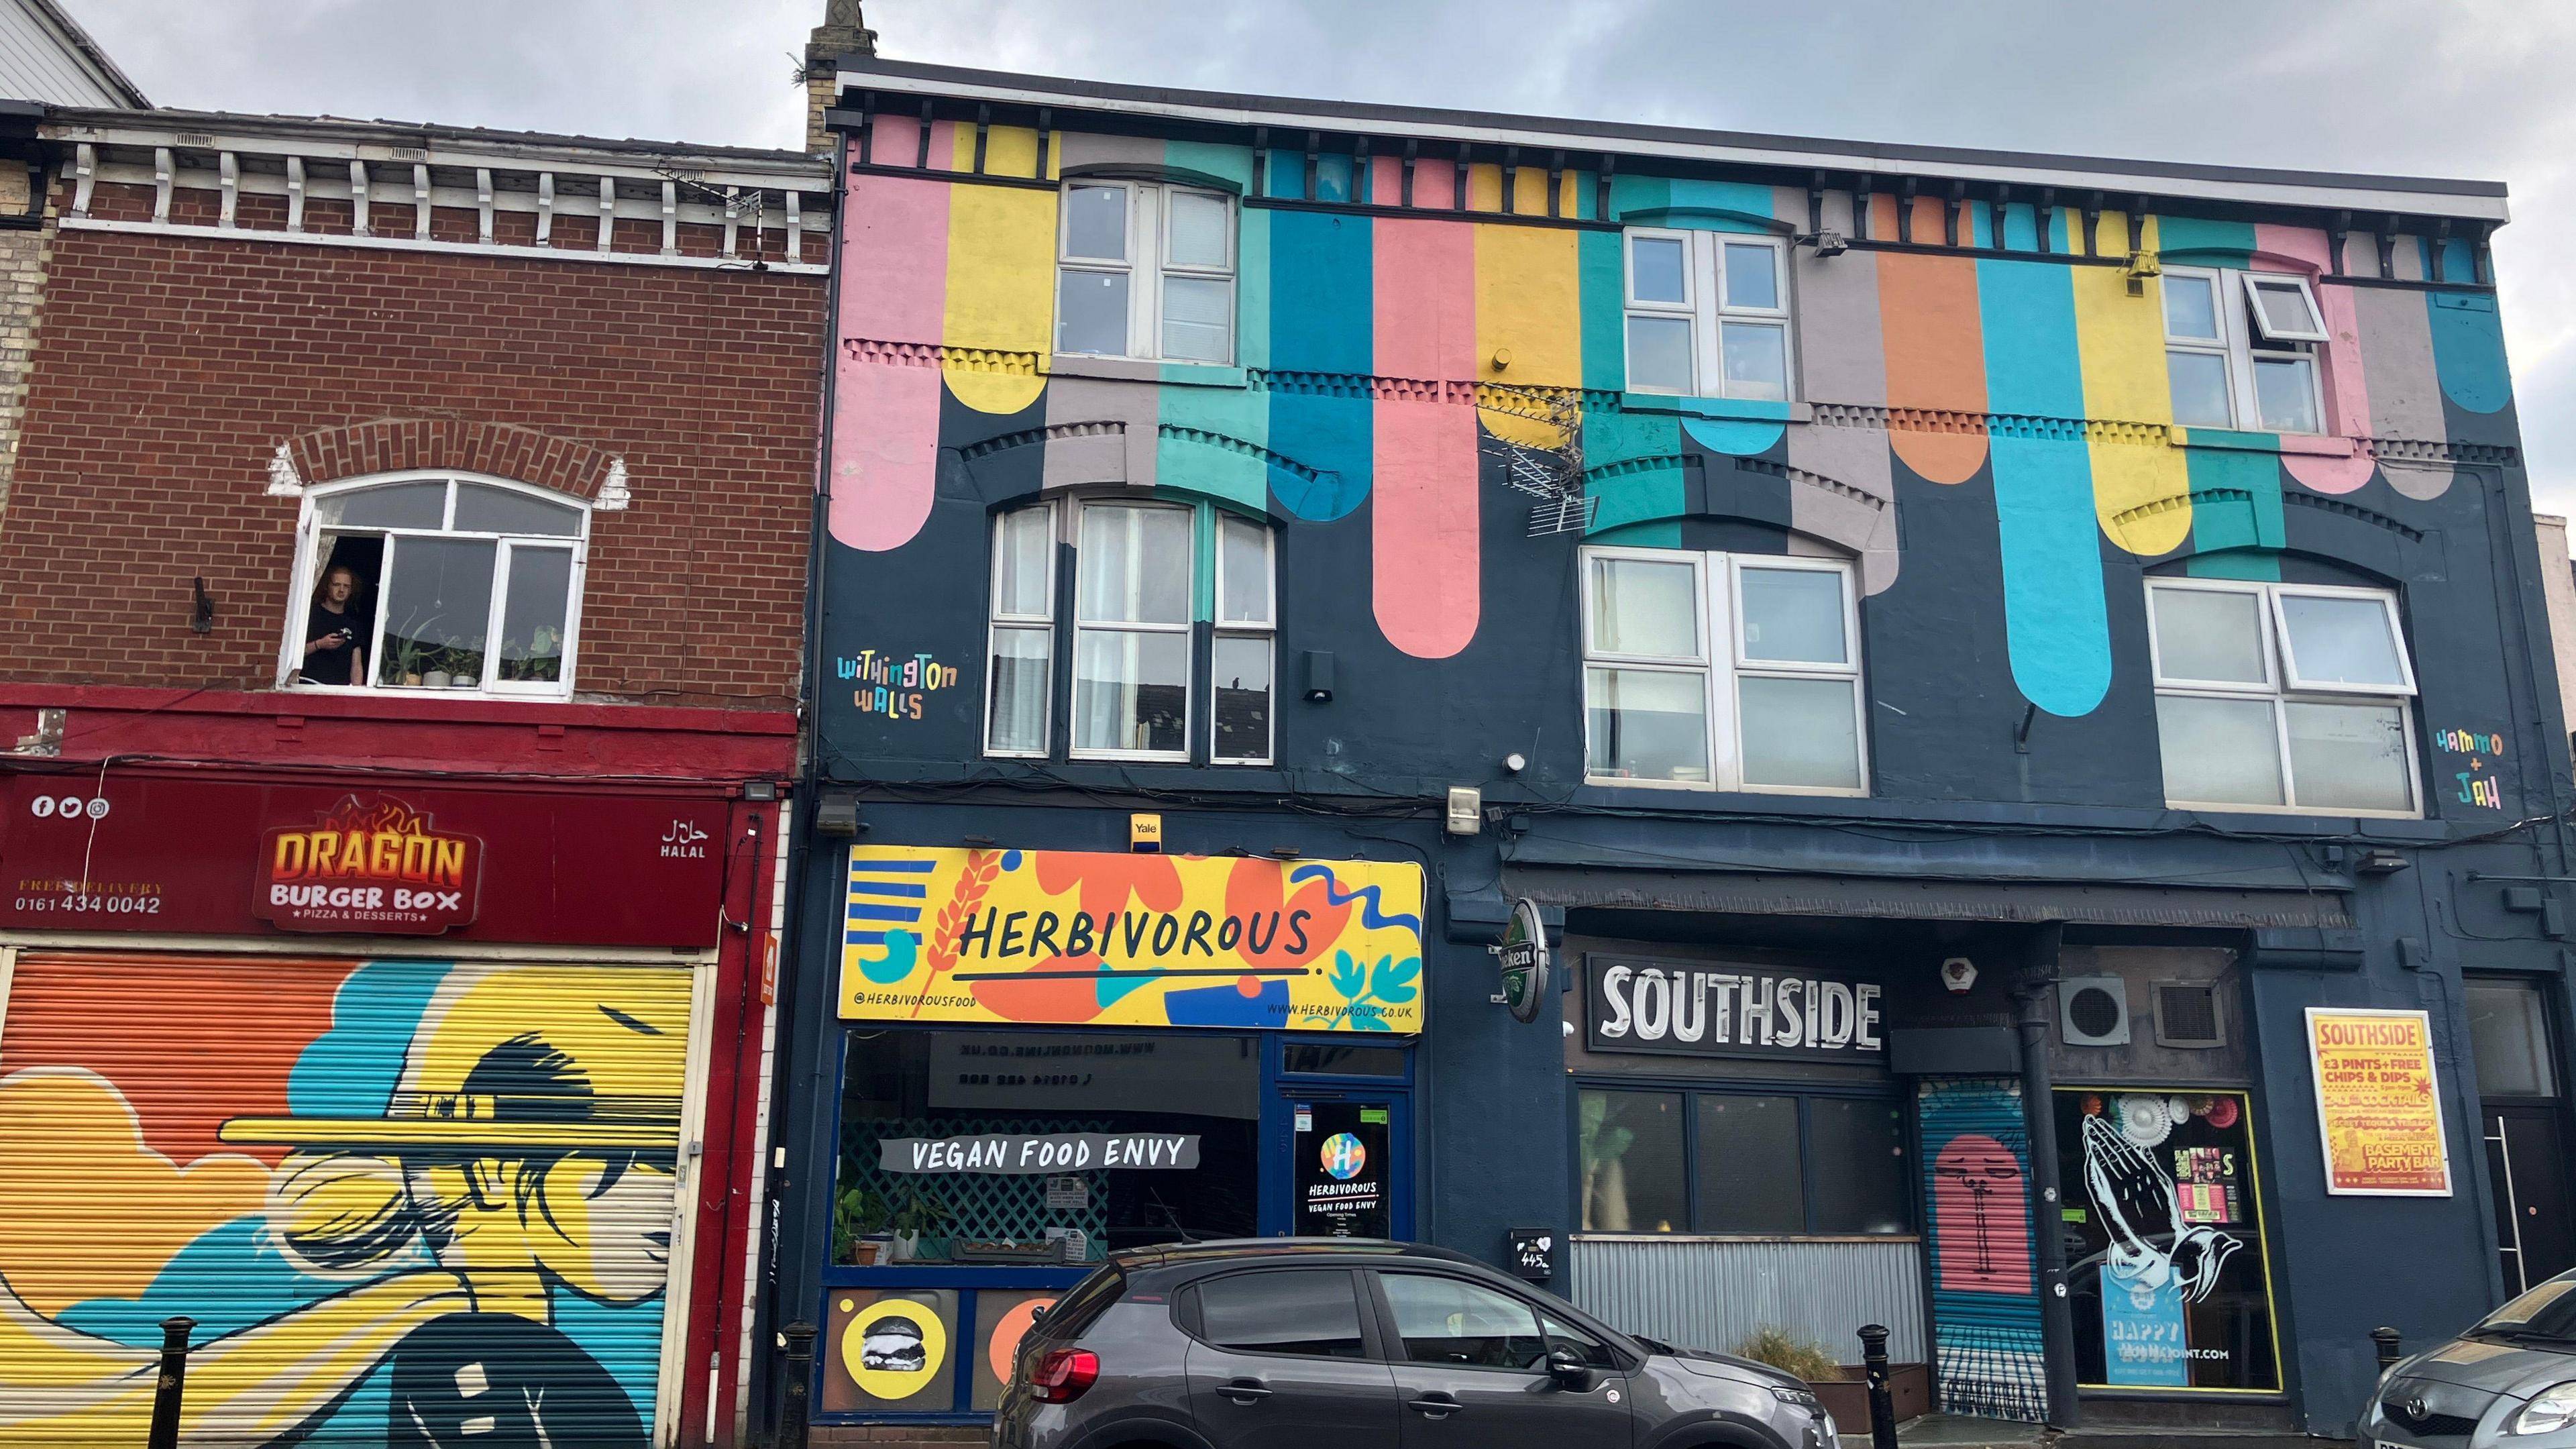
(347, 131)
(90, 50)
(2407, 194)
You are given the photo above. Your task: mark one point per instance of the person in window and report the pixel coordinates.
(336, 632)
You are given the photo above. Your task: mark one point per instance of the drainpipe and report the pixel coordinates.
(2033, 990)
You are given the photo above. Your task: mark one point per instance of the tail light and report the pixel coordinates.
(1064, 1374)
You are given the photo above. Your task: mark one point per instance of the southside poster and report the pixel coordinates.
(2379, 1103)
(1080, 938)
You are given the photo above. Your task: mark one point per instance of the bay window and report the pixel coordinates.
(1724, 671)
(2283, 697)
(1142, 656)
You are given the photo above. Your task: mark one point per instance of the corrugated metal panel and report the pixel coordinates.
(388, 1192)
(1985, 1297)
(1695, 1293)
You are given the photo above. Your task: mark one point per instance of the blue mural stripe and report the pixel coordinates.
(865, 938)
(862, 912)
(859, 886)
(1322, 340)
(1742, 437)
(2055, 620)
(2468, 350)
(909, 867)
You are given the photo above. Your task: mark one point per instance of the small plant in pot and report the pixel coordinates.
(859, 1235)
(920, 1216)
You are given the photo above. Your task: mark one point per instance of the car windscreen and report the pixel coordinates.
(2549, 1309)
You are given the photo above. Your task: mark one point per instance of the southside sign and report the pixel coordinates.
(369, 867)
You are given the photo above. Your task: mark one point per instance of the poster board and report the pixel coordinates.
(2379, 1102)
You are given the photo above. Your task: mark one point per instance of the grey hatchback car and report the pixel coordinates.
(2509, 1381)
(1290, 1343)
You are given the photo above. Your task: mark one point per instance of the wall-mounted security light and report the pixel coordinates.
(1466, 810)
(1319, 676)
(1515, 762)
(1828, 243)
(2380, 862)
(837, 815)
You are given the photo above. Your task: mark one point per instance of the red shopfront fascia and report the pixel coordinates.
(167, 854)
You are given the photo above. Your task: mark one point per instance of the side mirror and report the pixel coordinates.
(1569, 1370)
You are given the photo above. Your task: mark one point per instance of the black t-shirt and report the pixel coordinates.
(331, 666)
(496, 1381)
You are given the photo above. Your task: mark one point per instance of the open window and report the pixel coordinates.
(2241, 350)
(419, 582)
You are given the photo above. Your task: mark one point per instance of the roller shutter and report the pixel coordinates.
(407, 1200)
(1988, 1353)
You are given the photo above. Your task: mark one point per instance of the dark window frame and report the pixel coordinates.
(1804, 1094)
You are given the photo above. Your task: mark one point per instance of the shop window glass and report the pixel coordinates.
(1775, 1164)
(1345, 1061)
(1749, 1178)
(1457, 1324)
(1310, 1311)
(1859, 1163)
(1632, 1161)
(439, 584)
(919, 1088)
(2166, 1258)
(2509, 1037)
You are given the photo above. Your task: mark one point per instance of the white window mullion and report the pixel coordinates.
(2289, 772)
(1145, 283)
(1705, 282)
(1726, 752)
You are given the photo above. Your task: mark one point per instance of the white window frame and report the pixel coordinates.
(997, 622)
(2281, 686)
(1081, 626)
(2240, 343)
(1149, 237)
(1718, 615)
(1266, 631)
(1708, 306)
(302, 581)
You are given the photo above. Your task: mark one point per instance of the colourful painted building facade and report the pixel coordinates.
(1961, 650)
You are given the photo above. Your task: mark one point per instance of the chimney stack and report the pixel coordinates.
(843, 32)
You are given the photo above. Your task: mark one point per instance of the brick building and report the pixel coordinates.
(401, 589)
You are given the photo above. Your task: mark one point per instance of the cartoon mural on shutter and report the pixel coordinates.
(1985, 1300)
(406, 1202)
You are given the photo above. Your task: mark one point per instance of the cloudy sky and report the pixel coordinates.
(2473, 88)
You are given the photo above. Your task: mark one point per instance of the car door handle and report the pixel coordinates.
(1244, 1391)
(1434, 1406)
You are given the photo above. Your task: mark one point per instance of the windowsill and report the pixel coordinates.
(1604, 1236)
(1748, 409)
(405, 692)
(1695, 787)
(2288, 812)
(1146, 369)
(2319, 445)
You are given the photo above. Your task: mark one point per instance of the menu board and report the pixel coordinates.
(2379, 1103)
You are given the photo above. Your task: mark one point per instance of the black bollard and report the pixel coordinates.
(800, 1383)
(173, 1382)
(2389, 1353)
(1882, 1404)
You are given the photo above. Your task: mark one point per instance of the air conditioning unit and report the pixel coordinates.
(2093, 1011)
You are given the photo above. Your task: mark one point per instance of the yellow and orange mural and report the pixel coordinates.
(1082, 938)
(404, 1201)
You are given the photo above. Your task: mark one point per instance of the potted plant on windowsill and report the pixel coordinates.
(859, 1235)
(921, 1215)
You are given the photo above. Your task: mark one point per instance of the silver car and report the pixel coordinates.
(1296, 1343)
(2509, 1382)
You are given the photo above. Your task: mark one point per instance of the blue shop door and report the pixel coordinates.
(1337, 1162)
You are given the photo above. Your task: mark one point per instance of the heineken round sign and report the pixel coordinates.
(1523, 957)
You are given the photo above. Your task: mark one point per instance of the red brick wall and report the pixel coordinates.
(168, 370)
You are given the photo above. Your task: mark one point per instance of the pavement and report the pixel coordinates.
(1957, 1431)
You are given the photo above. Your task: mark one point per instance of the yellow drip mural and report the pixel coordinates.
(999, 322)
(2122, 342)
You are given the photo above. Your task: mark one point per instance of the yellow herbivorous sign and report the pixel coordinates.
(937, 934)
